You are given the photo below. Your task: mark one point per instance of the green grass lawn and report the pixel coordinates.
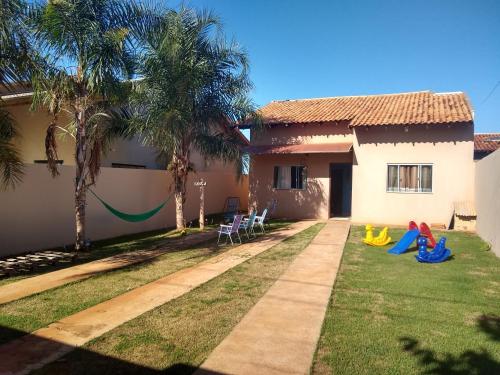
(391, 315)
(178, 336)
(39, 310)
(113, 246)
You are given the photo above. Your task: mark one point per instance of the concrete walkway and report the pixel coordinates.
(48, 344)
(36, 284)
(280, 333)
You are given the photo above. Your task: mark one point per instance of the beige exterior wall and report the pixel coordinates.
(202, 164)
(448, 148)
(312, 202)
(39, 214)
(130, 151)
(450, 151)
(488, 200)
(32, 127)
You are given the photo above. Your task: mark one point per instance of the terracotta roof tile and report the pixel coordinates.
(423, 107)
(486, 142)
(304, 148)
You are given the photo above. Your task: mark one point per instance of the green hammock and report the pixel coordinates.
(134, 218)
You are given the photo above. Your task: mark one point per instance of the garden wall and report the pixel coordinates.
(39, 213)
(488, 200)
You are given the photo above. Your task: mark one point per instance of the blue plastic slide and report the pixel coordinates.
(405, 242)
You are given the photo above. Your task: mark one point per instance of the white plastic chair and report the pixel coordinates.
(259, 220)
(230, 230)
(248, 224)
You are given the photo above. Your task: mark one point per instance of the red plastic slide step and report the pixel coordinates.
(426, 231)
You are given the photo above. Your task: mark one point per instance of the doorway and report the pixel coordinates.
(340, 190)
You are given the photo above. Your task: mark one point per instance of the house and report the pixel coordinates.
(376, 159)
(123, 152)
(485, 144)
(32, 127)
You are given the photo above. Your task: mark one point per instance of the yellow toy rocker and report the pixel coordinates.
(381, 240)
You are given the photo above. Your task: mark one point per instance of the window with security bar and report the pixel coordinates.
(409, 178)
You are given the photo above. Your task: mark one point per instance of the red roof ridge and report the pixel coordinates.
(419, 107)
(448, 93)
(366, 96)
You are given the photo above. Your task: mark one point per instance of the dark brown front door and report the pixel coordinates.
(340, 190)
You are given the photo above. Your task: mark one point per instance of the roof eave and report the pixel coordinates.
(448, 123)
(17, 98)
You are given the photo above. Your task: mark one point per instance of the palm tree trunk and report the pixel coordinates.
(202, 205)
(80, 187)
(179, 210)
(80, 201)
(180, 173)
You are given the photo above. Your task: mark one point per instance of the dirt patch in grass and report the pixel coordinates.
(178, 336)
(392, 315)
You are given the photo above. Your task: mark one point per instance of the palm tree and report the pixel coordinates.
(192, 84)
(15, 64)
(93, 38)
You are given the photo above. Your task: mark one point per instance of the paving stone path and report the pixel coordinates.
(32, 262)
(48, 344)
(36, 284)
(280, 333)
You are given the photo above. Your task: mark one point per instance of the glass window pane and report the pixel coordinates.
(392, 178)
(403, 177)
(408, 177)
(284, 177)
(301, 177)
(294, 182)
(413, 181)
(426, 178)
(297, 177)
(281, 178)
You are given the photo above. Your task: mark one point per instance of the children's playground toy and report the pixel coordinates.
(438, 255)
(412, 225)
(405, 242)
(381, 240)
(413, 233)
(426, 232)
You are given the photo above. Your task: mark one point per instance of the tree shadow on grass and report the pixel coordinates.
(31, 353)
(490, 324)
(480, 362)
(469, 362)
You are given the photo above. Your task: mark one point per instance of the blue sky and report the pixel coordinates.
(302, 49)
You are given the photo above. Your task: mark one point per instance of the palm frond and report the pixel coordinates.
(51, 148)
(97, 37)
(192, 81)
(11, 165)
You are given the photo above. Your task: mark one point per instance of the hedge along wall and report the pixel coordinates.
(488, 200)
(39, 213)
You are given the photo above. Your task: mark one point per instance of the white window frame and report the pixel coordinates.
(304, 182)
(419, 189)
